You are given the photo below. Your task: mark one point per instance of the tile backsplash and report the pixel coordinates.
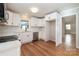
(9, 30)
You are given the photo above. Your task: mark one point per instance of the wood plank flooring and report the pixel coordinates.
(42, 48)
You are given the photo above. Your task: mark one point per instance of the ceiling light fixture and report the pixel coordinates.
(34, 10)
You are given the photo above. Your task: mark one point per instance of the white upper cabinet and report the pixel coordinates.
(41, 22)
(10, 17)
(36, 22)
(16, 19)
(33, 22)
(13, 19)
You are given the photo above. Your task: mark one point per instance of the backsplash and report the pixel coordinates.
(9, 30)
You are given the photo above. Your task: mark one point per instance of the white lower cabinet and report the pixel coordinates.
(11, 48)
(26, 37)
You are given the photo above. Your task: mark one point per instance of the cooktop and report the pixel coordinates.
(8, 38)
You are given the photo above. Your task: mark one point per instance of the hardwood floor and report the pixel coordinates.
(41, 48)
(69, 42)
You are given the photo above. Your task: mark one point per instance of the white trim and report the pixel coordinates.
(77, 31)
(69, 12)
(58, 29)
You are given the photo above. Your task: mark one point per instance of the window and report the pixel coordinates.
(68, 26)
(24, 25)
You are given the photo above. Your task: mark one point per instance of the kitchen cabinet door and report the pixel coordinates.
(16, 19)
(26, 37)
(10, 17)
(34, 22)
(41, 23)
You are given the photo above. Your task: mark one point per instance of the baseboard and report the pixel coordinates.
(47, 40)
(51, 41)
(42, 39)
(38, 40)
(26, 43)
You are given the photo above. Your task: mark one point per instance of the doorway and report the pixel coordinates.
(35, 36)
(51, 30)
(69, 32)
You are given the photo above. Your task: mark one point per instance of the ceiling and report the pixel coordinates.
(44, 8)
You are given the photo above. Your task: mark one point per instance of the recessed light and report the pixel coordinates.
(34, 10)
